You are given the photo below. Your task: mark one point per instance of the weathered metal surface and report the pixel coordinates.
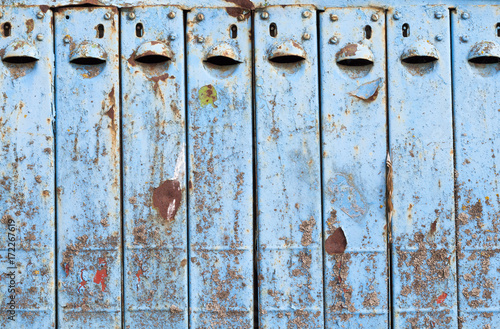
(27, 254)
(476, 97)
(154, 184)
(288, 170)
(354, 147)
(421, 143)
(220, 168)
(88, 171)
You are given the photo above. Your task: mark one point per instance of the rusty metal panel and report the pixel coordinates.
(288, 168)
(219, 70)
(154, 184)
(476, 85)
(354, 147)
(88, 167)
(27, 204)
(421, 143)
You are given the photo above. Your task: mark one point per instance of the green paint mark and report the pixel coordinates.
(208, 95)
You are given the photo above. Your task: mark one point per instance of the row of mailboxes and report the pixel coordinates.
(223, 169)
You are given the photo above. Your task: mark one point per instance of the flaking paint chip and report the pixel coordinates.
(336, 242)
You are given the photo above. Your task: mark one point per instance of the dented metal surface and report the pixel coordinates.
(219, 111)
(289, 217)
(88, 171)
(354, 147)
(421, 144)
(476, 86)
(27, 254)
(154, 184)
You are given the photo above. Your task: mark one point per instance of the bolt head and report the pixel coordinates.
(439, 37)
(171, 15)
(438, 15)
(374, 17)
(201, 39)
(465, 15)
(131, 16)
(40, 15)
(39, 37)
(306, 14)
(397, 15)
(334, 17)
(464, 38)
(334, 40)
(66, 40)
(306, 36)
(200, 17)
(241, 17)
(107, 16)
(172, 37)
(264, 15)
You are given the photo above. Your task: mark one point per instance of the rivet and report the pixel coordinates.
(171, 15)
(306, 36)
(334, 40)
(374, 17)
(396, 16)
(306, 14)
(66, 40)
(172, 37)
(465, 15)
(264, 15)
(131, 16)
(241, 17)
(40, 15)
(439, 37)
(334, 17)
(201, 39)
(39, 37)
(200, 17)
(107, 16)
(464, 38)
(438, 15)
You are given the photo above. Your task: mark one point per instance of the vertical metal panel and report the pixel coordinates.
(476, 96)
(421, 141)
(288, 169)
(154, 187)
(354, 147)
(220, 169)
(27, 170)
(88, 168)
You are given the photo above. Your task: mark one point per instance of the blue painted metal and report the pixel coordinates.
(27, 239)
(354, 147)
(476, 98)
(88, 171)
(220, 169)
(288, 171)
(421, 143)
(154, 184)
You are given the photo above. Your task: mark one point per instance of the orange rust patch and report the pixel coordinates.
(441, 298)
(246, 4)
(30, 25)
(167, 199)
(348, 51)
(336, 242)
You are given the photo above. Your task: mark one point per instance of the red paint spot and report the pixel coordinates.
(101, 273)
(66, 269)
(336, 243)
(441, 298)
(82, 284)
(167, 199)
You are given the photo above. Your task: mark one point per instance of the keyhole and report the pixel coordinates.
(7, 28)
(233, 31)
(100, 31)
(139, 30)
(498, 30)
(273, 30)
(406, 30)
(368, 32)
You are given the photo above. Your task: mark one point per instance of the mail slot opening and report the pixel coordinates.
(355, 55)
(484, 52)
(222, 61)
(153, 52)
(20, 52)
(7, 28)
(420, 53)
(485, 60)
(152, 59)
(355, 62)
(88, 61)
(287, 59)
(20, 59)
(419, 59)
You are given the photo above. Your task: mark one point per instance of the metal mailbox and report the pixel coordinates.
(476, 62)
(288, 168)
(421, 146)
(154, 180)
(354, 147)
(88, 167)
(27, 274)
(219, 112)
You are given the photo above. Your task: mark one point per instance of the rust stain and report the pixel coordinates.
(307, 227)
(441, 298)
(348, 51)
(102, 273)
(30, 25)
(336, 242)
(246, 4)
(139, 273)
(476, 210)
(44, 8)
(207, 95)
(167, 199)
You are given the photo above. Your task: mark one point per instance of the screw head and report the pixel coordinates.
(241, 17)
(438, 15)
(107, 16)
(334, 17)
(306, 36)
(465, 15)
(131, 16)
(464, 38)
(171, 15)
(40, 15)
(39, 37)
(374, 17)
(397, 15)
(334, 40)
(306, 14)
(172, 37)
(264, 15)
(439, 37)
(200, 17)
(201, 39)
(66, 40)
